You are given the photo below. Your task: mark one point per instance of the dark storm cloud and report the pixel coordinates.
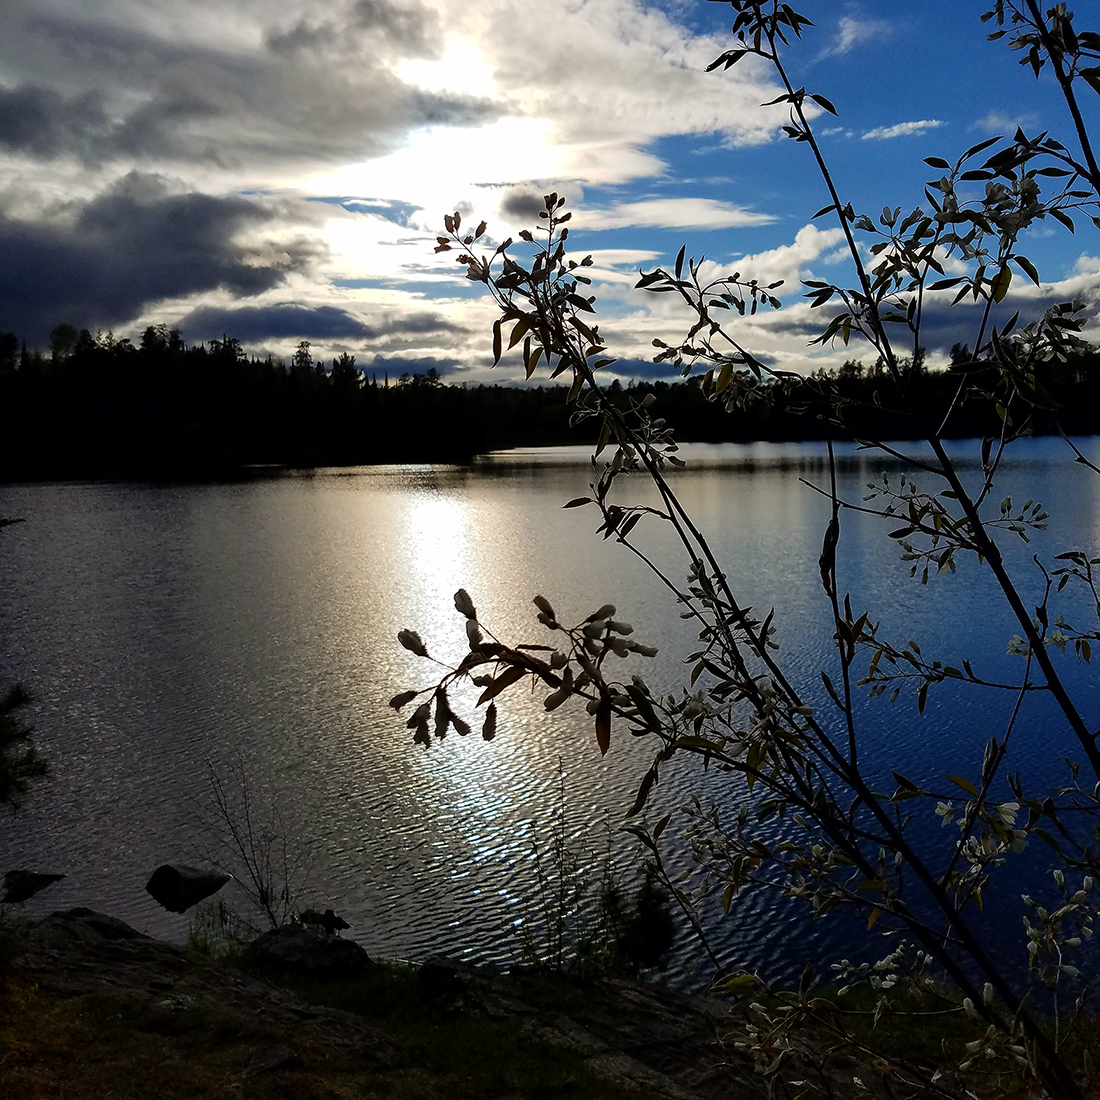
(40, 122)
(316, 91)
(132, 246)
(281, 321)
(522, 205)
(413, 29)
(294, 321)
(629, 369)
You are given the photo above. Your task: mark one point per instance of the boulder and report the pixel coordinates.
(177, 887)
(19, 885)
(82, 930)
(307, 955)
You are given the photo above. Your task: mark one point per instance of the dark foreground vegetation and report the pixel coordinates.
(91, 1009)
(96, 407)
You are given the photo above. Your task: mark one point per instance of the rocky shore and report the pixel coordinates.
(91, 1000)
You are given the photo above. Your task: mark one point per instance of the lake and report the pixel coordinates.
(169, 633)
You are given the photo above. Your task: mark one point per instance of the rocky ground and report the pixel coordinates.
(95, 1009)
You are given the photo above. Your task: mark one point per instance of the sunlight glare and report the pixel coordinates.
(461, 70)
(441, 165)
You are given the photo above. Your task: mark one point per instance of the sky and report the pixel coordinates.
(278, 170)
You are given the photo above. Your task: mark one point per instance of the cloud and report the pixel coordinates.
(676, 213)
(522, 206)
(280, 321)
(413, 29)
(852, 32)
(902, 129)
(137, 244)
(997, 122)
(41, 123)
(789, 262)
(247, 89)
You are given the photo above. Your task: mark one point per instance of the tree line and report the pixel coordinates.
(93, 406)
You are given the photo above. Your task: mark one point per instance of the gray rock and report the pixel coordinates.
(19, 885)
(307, 955)
(177, 887)
(85, 927)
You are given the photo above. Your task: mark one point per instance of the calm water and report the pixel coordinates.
(166, 631)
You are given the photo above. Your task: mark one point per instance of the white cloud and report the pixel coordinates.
(792, 261)
(902, 129)
(997, 122)
(852, 32)
(683, 213)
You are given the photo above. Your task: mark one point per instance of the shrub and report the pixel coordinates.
(846, 844)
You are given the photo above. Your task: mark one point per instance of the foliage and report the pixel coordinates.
(102, 407)
(217, 931)
(249, 839)
(793, 751)
(20, 762)
(592, 926)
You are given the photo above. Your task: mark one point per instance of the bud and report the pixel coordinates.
(411, 641)
(543, 604)
(604, 612)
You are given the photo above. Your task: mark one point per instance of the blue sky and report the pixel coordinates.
(278, 169)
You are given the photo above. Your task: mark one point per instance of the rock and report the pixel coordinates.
(272, 1059)
(304, 954)
(19, 885)
(177, 887)
(83, 927)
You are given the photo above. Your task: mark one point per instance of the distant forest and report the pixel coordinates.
(96, 407)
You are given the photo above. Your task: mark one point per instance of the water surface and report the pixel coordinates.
(170, 630)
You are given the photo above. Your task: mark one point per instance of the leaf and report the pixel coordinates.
(999, 286)
(1065, 219)
(603, 724)
(577, 502)
(1028, 268)
(489, 728)
(821, 101)
(648, 782)
(831, 690)
(736, 982)
(519, 331)
(936, 162)
(504, 680)
(962, 781)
